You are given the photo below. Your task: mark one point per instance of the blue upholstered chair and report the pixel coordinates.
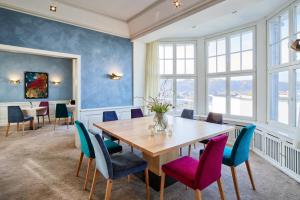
(15, 115)
(239, 154)
(116, 166)
(109, 116)
(136, 113)
(87, 149)
(62, 112)
(187, 114)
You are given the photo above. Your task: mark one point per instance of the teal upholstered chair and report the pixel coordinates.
(87, 149)
(239, 154)
(116, 166)
(61, 111)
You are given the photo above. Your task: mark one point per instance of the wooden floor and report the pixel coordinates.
(42, 165)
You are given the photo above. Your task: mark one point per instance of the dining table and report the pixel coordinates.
(158, 148)
(33, 111)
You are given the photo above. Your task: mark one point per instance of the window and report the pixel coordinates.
(284, 67)
(280, 97)
(230, 83)
(217, 95)
(217, 56)
(241, 102)
(279, 40)
(241, 51)
(177, 73)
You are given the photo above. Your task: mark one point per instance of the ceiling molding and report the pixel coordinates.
(173, 18)
(155, 4)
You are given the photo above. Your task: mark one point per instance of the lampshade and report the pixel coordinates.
(296, 45)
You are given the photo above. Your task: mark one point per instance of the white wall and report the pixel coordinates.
(139, 59)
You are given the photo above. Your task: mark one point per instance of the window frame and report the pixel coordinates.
(291, 67)
(174, 76)
(228, 73)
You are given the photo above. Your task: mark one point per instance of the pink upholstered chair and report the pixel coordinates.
(198, 174)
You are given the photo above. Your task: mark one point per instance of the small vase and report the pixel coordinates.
(160, 122)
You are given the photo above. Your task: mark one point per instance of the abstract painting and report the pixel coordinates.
(36, 85)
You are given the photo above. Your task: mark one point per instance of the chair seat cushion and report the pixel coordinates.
(183, 169)
(227, 157)
(127, 163)
(28, 118)
(112, 147)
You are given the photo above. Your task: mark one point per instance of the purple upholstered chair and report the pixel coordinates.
(198, 174)
(136, 113)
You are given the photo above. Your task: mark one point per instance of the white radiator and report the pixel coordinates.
(292, 159)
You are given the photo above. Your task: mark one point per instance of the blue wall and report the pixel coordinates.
(101, 54)
(13, 65)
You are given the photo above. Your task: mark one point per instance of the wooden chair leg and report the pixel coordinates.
(54, 123)
(108, 189)
(147, 184)
(87, 173)
(7, 129)
(43, 120)
(198, 195)
(33, 125)
(131, 149)
(128, 178)
(79, 164)
(18, 127)
(250, 174)
(49, 118)
(235, 183)
(23, 127)
(221, 191)
(162, 185)
(180, 151)
(68, 122)
(96, 173)
(190, 148)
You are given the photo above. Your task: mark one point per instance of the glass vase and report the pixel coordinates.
(160, 122)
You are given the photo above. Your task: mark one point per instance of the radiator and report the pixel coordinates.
(292, 159)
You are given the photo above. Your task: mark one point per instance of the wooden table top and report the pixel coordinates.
(136, 132)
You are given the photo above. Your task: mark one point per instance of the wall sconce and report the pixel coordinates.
(296, 45)
(115, 76)
(14, 82)
(55, 82)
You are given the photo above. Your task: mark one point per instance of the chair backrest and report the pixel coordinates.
(85, 141)
(241, 147)
(188, 114)
(136, 113)
(216, 118)
(210, 162)
(45, 104)
(14, 114)
(61, 110)
(102, 158)
(110, 116)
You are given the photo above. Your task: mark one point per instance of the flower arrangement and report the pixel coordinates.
(160, 106)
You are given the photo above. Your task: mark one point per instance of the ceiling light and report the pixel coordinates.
(177, 3)
(296, 45)
(53, 8)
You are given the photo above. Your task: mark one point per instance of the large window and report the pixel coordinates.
(177, 73)
(231, 74)
(284, 67)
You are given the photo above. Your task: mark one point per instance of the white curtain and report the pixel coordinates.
(152, 70)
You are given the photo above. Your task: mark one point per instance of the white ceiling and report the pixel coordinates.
(217, 18)
(119, 9)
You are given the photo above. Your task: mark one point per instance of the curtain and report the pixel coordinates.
(152, 70)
